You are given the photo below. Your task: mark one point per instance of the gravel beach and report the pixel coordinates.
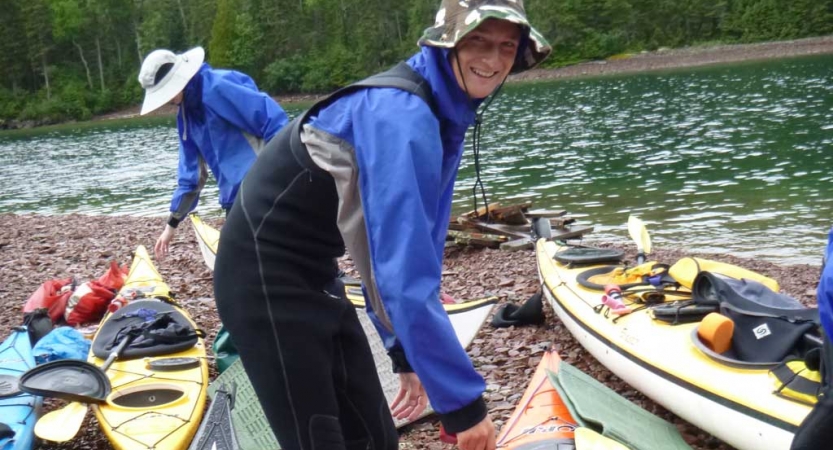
(35, 248)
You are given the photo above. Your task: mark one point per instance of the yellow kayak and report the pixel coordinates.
(208, 239)
(159, 391)
(732, 402)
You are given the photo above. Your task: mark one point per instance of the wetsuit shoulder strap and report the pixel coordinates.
(401, 76)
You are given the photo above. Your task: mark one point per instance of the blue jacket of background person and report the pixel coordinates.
(825, 290)
(223, 122)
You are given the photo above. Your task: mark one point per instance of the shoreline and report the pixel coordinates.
(644, 62)
(697, 56)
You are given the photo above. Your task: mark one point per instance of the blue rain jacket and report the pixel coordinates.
(407, 170)
(220, 107)
(825, 290)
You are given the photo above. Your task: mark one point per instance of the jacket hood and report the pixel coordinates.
(453, 103)
(192, 97)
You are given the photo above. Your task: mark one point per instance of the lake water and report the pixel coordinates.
(731, 159)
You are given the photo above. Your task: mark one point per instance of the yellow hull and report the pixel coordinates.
(735, 404)
(151, 409)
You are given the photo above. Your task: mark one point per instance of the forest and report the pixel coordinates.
(72, 59)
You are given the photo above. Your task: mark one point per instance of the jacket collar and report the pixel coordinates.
(453, 104)
(193, 90)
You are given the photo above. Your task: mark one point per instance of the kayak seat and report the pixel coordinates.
(6, 431)
(158, 329)
(768, 327)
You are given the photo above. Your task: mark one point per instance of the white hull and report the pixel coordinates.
(731, 426)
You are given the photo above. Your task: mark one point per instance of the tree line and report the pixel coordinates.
(71, 59)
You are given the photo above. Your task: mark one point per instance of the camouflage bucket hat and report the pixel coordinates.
(456, 18)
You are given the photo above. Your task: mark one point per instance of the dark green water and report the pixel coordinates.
(731, 159)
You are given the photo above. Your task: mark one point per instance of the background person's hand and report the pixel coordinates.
(163, 243)
(411, 400)
(478, 437)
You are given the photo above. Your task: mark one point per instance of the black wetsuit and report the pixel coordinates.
(298, 336)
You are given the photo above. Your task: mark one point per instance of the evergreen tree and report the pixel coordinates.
(220, 48)
(89, 51)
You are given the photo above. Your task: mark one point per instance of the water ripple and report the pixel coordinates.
(729, 159)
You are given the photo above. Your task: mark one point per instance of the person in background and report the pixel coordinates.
(223, 122)
(371, 168)
(816, 430)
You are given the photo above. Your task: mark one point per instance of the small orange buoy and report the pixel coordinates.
(716, 332)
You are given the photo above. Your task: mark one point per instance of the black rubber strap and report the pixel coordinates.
(400, 76)
(399, 361)
(173, 221)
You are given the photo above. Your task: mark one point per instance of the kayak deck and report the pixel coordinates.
(156, 401)
(661, 360)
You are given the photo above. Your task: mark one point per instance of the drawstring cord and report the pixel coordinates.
(476, 137)
(184, 120)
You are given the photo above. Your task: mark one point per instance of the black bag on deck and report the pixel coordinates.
(768, 326)
(38, 324)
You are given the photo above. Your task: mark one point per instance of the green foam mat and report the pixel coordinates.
(598, 407)
(250, 424)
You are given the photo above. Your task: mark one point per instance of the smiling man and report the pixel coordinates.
(370, 168)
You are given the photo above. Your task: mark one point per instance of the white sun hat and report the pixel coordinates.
(177, 71)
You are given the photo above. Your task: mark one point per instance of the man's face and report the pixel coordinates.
(177, 99)
(484, 57)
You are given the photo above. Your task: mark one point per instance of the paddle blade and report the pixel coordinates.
(541, 228)
(62, 424)
(639, 234)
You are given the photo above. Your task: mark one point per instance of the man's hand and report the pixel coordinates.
(411, 400)
(478, 437)
(163, 243)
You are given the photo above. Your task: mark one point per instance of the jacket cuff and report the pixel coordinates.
(465, 417)
(400, 362)
(173, 221)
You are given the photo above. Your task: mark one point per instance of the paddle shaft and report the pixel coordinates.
(63, 424)
(115, 353)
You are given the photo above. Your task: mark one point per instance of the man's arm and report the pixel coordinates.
(400, 155)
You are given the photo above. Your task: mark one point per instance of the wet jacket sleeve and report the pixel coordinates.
(400, 154)
(825, 290)
(399, 362)
(190, 179)
(234, 97)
